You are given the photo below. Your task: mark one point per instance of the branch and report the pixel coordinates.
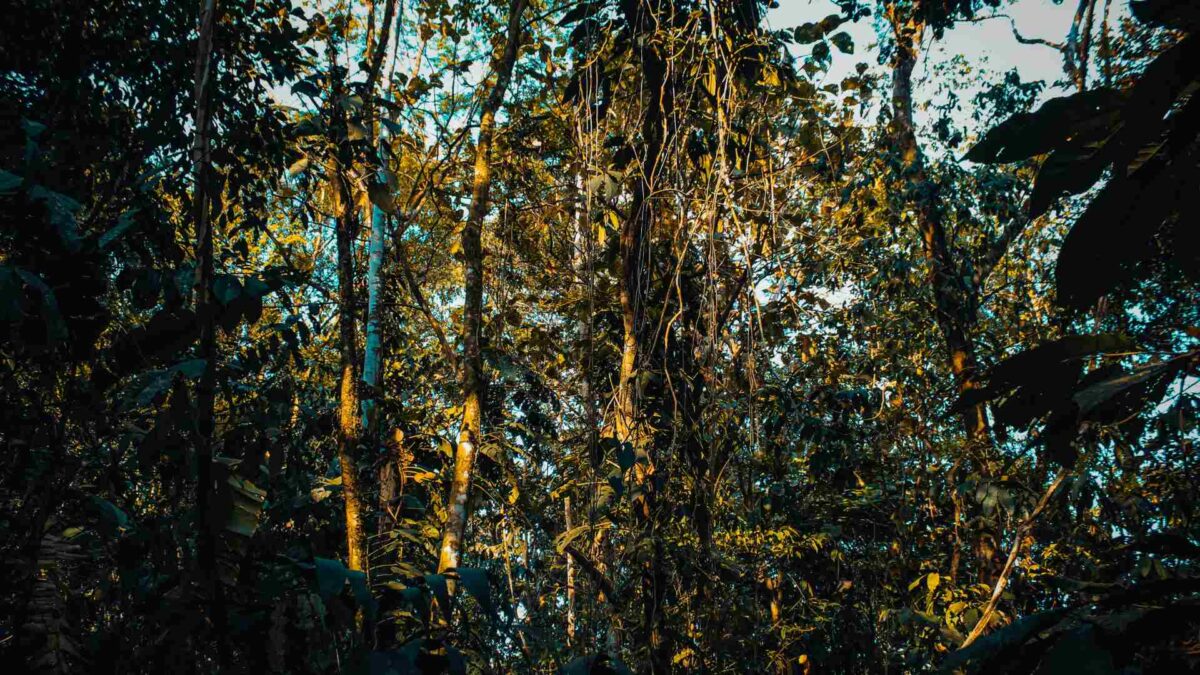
(998, 248)
(1058, 46)
(1022, 530)
(596, 575)
(381, 48)
(415, 290)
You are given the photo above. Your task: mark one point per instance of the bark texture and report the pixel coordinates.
(473, 384)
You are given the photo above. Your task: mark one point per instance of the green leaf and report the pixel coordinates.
(56, 328)
(1031, 364)
(441, 592)
(1078, 118)
(110, 513)
(456, 664)
(331, 577)
(9, 182)
(124, 222)
(308, 127)
(476, 582)
(843, 42)
(226, 288)
(362, 592)
(247, 505)
(582, 11)
(997, 644)
(306, 88)
(62, 210)
(821, 52)
(626, 457)
(812, 32)
(562, 541)
(1096, 395)
(1079, 652)
(1168, 13)
(31, 128)
(10, 294)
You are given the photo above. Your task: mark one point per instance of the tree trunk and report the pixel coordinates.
(473, 384)
(635, 231)
(570, 577)
(206, 313)
(955, 300)
(349, 427)
(1079, 43)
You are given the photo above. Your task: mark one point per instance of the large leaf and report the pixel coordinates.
(124, 222)
(476, 582)
(1029, 365)
(843, 42)
(63, 211)
(1078, 118)
(1177, 14)
(331, 577)
(562, 541)
(246, 508)
(1115, 235)
(362, 592)
(146, 388)
(56, 327)
(9, 182)
(1094, 397)
(814, 31)
(111, 515)
(441, 592)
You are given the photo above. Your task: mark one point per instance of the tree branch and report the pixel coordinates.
(998, 248)
(1018, 537)
(1058, 46)
(415, 290)
(596, 575)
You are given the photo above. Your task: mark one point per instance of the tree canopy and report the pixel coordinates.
(597, 336)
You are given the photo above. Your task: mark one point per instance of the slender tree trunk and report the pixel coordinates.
(373, 355)
(473, 384)
(583, 267)
(206, 313)
(955, 300)
(954, 311)
(570, 577)
(349, 419)
(349, 431)
(635, 231)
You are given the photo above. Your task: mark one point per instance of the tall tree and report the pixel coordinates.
(206, 308)
(474, 384)
(349, 416)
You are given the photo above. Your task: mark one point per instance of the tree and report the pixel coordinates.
(474, 385)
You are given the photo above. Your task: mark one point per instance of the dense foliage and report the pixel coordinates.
(596, 336)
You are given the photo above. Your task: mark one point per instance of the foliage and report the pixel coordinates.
(775, 379)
